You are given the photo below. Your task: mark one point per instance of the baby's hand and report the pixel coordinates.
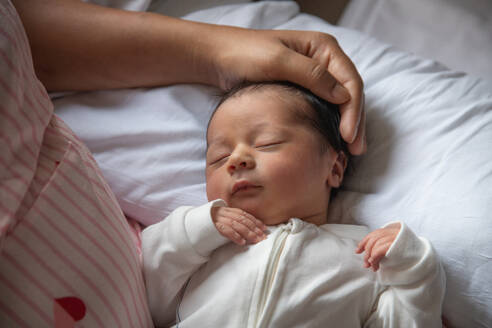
(238, 225)
(376, 245)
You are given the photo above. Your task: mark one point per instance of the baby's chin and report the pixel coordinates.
(262, 213)
(271, 215)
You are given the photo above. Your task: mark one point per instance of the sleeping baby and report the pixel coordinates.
(261, 253)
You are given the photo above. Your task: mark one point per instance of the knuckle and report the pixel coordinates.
(236, 225)
(316, 73)
(248, 223)
(324, 37)
(221, 227)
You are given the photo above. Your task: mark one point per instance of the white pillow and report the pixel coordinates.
(429, 161)
(454, 32)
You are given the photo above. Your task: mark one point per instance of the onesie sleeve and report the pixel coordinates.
(413, 284)
(173, 250)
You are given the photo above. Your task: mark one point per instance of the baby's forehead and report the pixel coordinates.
(297, 107)
(290, 99)
(279, 91)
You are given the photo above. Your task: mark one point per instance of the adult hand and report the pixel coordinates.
(130, 49)
(238, 225)
(313, 60)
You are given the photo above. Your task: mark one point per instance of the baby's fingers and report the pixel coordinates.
(243, 224)
(363, 244)
(229, 233)
(378, 252)
(250, 235)
(249, 221)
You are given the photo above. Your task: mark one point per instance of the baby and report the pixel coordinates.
(274, 155)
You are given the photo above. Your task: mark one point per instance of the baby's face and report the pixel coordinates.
(261, 160)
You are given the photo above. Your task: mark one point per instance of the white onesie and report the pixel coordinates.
(302, 275)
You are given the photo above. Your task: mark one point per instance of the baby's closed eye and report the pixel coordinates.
(268, 145)
(216, 159)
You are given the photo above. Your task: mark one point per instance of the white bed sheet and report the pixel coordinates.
(455, 32)
(429, 161)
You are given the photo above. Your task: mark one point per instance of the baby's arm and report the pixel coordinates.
(411, 275)
(173, 250)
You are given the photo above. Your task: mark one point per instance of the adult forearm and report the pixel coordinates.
(80, 46)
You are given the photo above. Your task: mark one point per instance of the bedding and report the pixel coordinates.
(429, 161)
(454, 32)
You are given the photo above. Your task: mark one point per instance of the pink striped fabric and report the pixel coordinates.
(67, 256)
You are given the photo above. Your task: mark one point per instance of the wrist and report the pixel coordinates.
(215, 57)
(201, 230)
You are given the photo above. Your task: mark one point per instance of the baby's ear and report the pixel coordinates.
(338, 167)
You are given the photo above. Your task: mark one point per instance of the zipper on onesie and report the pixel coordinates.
(270, 273)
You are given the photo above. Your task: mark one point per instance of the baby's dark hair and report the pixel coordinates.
(323, 118)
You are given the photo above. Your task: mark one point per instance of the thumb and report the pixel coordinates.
(310, 74)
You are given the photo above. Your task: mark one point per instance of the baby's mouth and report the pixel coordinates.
(242, 186)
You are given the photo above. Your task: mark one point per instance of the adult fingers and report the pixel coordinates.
(344, 71)
(359, 145)
(328, 72)
(311, 74)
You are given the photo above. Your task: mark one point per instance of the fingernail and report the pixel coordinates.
(354, 136)
(340, 93)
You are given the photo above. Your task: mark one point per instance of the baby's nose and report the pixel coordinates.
(240, 161)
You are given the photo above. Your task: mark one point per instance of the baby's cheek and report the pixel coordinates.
(215, 187)
(285, 178)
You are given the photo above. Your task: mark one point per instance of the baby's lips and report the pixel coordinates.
(242, 184)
